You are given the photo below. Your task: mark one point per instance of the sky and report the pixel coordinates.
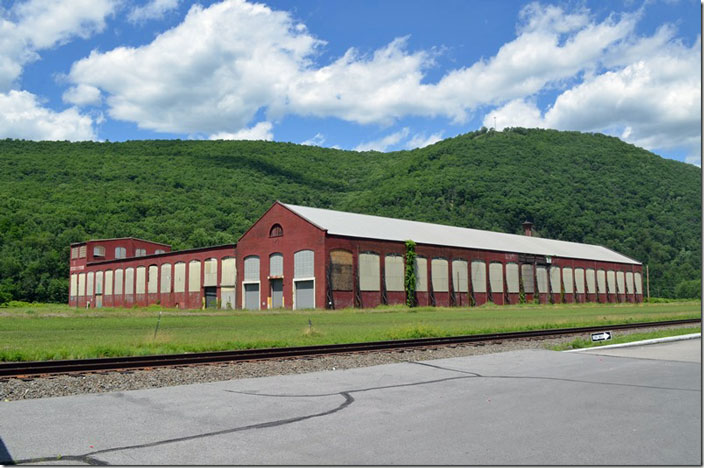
(381, 75)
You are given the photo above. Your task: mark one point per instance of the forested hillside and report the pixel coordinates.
(573, 186)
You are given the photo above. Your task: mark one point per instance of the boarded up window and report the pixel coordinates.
(153, 280)
(82, 251)
(460, 281)
(276, 264)
(496, 277)
(637, 279)
(478, 276)
(542, 277)
(251, 268)
(98, 251)
(303, 264)
(129, 281)
(81, 284)
(74, 254)
(194, 276)
(438, 271)
(369, 272)
(179, 277)
(421, 274)
(629, 282)
(528, 279)
(159, 251)
(591, 281)
(579, 280)
(601, 281)
(393, 269)
(611, 281)
(276, 231)
(119, 281)
(621, 282)
(99, 282)
(341, 273)
(108, 282)
(210, 275)
(229, 272)
(165, 285)
(89, 283)
(555, 280)
(512, 285)
(74, 285)
(120, 252)
(141, 280)
(227, 298)
(567, 280)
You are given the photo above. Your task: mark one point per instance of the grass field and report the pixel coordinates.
(51, 331)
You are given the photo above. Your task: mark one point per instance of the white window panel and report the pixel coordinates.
(542, 277)
(165, 278)
(555, 279)
(179, 277)
(303, 264)
(229, 272)
(638, 279)
(108, 282)
(194, 276)
(567, 280)
(579, 280)
(99, 282)
(90, 276)
(528, 279)
(438, 271)
(621, 282)
(210, 275)
(141, 280)
(629, 282)
(394, 274)
(152, 281)
(460, 281)
(478, 276)
(129, 280)
(251, 268)
(276, 264)
(74, 285)
(601, 281)
(119, 281)
(369, 272)
(512, 283)
(421, 274)
(591, 280)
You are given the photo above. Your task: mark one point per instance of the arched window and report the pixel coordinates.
(276, 231)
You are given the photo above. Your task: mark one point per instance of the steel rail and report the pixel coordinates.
(34, 368)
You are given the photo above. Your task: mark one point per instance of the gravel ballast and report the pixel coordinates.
(63, 385)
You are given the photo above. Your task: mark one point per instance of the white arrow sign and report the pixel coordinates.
(601, 336)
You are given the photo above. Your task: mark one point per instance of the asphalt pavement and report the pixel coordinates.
(521, 407)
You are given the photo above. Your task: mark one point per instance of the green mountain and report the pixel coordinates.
(573, 186)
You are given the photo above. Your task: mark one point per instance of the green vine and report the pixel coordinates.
(410, 278)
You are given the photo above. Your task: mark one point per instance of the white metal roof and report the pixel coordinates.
(376, 227)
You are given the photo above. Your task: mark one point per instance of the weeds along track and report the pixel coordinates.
(29, 369)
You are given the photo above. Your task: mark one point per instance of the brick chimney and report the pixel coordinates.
(528, 228)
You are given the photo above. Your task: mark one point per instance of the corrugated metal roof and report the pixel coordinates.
(376, 227)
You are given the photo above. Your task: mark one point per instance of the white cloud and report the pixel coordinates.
(29, 27)
(155, 9)
(261, 131)
(317, 140)
(383, 143)
(82, 95)
(421, 141)
(23, 117)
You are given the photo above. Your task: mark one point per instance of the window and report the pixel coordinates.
(141, 279)
(229, 272)
(129, 281)
(611, 281)
(621, 282)
(601, 281)
(276, 264)
(119, 280)
(251, 268)
(541, 274)
(629, 282)
(210, 276)
(555, 280)
(152, 284)
(120, 252)
(591, 281)
(369, 272)
(496, 277)
(140, 252)
(568, 280)
(478, 276)
(90, 277)
(194, 276)
(421, 274)
(74, 252)
(579, 280)
(303, 266)
(512, 284)
(81, 284)
(438, 271)
(82, 251)
(159, 251)
(108, 283)
(527, 277)
(459, 276)
(99, 282)
(393, 271)
(276, 231)
(165, 278)
(639, 283)
(341, 274)
(74, 285)
(98, 251)
(179, 277)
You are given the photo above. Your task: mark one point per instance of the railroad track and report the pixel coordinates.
(36, 368)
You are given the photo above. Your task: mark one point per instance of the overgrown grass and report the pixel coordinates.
(50, 331)
(584, 343)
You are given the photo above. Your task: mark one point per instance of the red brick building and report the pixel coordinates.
(300, 257)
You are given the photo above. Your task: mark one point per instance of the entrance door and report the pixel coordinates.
(251, 296)
(211, 297)
(305, 294)
(277, 293)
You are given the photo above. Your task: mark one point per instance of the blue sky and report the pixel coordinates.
(368, 75)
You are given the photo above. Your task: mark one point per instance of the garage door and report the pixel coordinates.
(305, 294)
(251, 296)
